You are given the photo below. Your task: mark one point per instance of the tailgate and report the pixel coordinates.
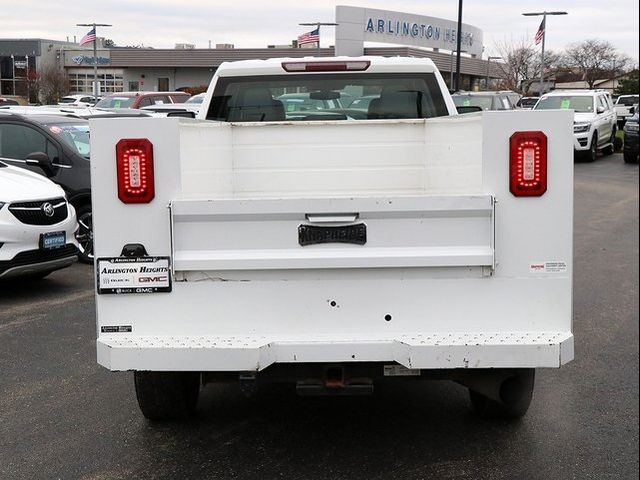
(270, 234)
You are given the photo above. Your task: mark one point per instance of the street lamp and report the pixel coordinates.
(544, 36)
(318, 25)
(451, 86)
(95, 55)
(486, 83)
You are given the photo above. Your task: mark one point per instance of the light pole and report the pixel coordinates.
(458, 46)
(451, 86)
(544, 36)
(486, 83)
(95, 55)
(13, 73)
(318, 25)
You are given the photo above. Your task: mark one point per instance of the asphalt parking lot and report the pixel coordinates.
(63, 416)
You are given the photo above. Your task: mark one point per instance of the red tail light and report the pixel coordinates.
(528, 164)
(134, 165)
(355, 65)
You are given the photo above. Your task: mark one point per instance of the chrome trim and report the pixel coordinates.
(36, 209)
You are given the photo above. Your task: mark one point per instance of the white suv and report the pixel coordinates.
(594, 124)
(37, 225)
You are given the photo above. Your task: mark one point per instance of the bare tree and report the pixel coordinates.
(595, 59)
(522, 62)
(51, 83)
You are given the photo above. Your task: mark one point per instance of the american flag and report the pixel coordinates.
(540, 33)
(89, 37)
(309, 37)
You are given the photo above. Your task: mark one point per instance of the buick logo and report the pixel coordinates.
(48, 210)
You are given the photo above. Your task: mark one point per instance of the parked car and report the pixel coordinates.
(514, 97)
(304, 102)
(8, 101)
(623, 107)
(83, 100)
(631, 136)
(484, 100)
(527, 103)
(196, 99)
(58, 147)
(141, 99)
(594, 125)
(37, 225)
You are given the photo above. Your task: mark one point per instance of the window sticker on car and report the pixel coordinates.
(564, 105)
(466, 102)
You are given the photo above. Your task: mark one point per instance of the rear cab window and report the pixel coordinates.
(321, 96)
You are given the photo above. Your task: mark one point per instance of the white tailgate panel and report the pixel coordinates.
(447, 231)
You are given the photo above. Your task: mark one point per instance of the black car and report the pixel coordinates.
(56, 146)
(631, 137)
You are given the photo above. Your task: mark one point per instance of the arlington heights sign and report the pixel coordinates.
(358, 25)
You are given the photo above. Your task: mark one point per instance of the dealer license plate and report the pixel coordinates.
(133, 275)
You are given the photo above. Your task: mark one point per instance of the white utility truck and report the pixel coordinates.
(333, 247)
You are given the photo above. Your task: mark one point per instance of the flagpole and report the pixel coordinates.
(95, 55)
(318, 25)
(544, 36)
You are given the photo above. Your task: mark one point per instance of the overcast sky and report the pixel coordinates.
(257, 23)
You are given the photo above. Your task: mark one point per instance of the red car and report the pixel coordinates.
(141, 99)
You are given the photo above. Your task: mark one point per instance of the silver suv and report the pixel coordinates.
(594, 123)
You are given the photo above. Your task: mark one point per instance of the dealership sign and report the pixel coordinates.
(90, 60)
(358, 25)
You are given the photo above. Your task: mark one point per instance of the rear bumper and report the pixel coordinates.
(442, 350)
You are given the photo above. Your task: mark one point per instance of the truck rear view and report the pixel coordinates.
(333, 223)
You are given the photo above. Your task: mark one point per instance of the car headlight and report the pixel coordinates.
(628, 127)
(581, 127)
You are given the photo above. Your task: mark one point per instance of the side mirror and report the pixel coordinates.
(182, 113)
(468, 109)
(600, 110)
(42, 160)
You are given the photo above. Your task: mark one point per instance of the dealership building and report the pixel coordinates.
(360, 31)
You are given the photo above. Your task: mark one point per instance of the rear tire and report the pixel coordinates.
(610, 149)
(167, 395)
(516, 393)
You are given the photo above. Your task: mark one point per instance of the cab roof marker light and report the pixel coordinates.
(358, 65)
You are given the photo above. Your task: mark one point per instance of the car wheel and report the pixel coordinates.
(167, 395)
(516, 393)
(608, 150)
(84, 235)
(592, 153)
(630, 158)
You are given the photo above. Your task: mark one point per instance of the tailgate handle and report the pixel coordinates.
(331, 217)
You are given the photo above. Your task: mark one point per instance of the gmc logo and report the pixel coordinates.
(162, 278)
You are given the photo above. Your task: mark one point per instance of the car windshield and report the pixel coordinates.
(196, 98)
(74, 135)
(116, 102)
(528, 102)
(580, 104)
(320, 97)
(627, 101)
(473, 101)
